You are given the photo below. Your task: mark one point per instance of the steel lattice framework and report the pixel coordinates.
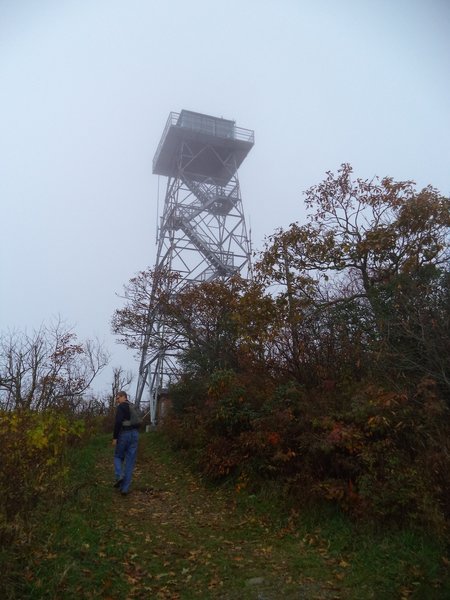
(202, 233)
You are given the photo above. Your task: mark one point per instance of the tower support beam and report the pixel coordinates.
(202, 234)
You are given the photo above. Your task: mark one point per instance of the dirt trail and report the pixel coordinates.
(185, 540)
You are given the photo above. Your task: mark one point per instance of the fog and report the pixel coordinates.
(86, 88)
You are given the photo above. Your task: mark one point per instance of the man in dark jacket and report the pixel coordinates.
(125, 440)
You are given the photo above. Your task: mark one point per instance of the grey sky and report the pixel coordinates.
(86, 88)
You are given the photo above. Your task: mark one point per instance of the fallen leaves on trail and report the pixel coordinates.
(136, 511)
(183, 538)
(215, 582)
(344, 564)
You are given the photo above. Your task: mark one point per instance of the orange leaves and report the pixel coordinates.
(220, 458)
(273, 438)
(347, 437)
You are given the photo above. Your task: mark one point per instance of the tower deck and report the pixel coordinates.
(202, 143)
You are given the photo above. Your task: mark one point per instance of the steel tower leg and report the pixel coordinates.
(202, 236)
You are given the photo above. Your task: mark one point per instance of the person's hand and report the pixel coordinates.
(114, 442)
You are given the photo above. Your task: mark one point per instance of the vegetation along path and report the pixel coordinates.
(174, 537)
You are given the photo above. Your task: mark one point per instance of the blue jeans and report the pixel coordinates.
(125, 457)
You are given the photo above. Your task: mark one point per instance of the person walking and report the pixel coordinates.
(125, 441)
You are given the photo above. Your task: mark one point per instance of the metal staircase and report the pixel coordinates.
(202, 234)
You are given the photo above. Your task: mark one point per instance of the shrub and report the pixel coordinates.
(33, 464)
(405, 458)
(379, 454)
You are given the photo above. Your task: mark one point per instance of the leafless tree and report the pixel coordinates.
(48, 367)
(121, 380)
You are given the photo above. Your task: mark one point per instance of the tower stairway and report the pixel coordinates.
(212, 197)
(202, 235)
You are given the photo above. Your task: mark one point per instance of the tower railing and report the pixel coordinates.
(198, 124)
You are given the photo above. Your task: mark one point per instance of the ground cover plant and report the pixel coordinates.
(34, 469)
(329, 372)
(307, 450)
(176, 536)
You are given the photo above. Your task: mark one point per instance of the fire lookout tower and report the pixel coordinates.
(202, 234)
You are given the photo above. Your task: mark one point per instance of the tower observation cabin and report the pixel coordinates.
(202, 233)
(202, 147)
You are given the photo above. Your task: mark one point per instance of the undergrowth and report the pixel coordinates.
(176, 537)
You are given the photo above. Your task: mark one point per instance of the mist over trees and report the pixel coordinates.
(327, 373)
(330, 370)
(48, 368)
(372, 264)
(362, 288)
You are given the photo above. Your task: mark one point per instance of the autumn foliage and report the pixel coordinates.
(34, 446)
(329, 372)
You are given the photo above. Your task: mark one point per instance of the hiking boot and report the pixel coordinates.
(122, 493)
(118, 483)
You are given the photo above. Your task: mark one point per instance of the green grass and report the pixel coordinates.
(74, 549)
(175, 537)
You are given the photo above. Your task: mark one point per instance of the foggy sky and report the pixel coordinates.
(86, 88)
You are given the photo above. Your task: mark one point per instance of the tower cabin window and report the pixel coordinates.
(222, 128)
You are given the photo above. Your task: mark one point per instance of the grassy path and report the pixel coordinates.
(174, 538)
(188, 541)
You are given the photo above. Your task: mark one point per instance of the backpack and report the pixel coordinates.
(135, 417)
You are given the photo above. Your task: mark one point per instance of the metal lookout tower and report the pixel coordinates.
(202, 233)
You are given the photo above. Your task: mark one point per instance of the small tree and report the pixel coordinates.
(210, 323)
(378, 247)
(47, 368)
(145, 296)
(121, 380)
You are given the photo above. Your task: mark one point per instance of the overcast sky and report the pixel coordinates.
(86, 87)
